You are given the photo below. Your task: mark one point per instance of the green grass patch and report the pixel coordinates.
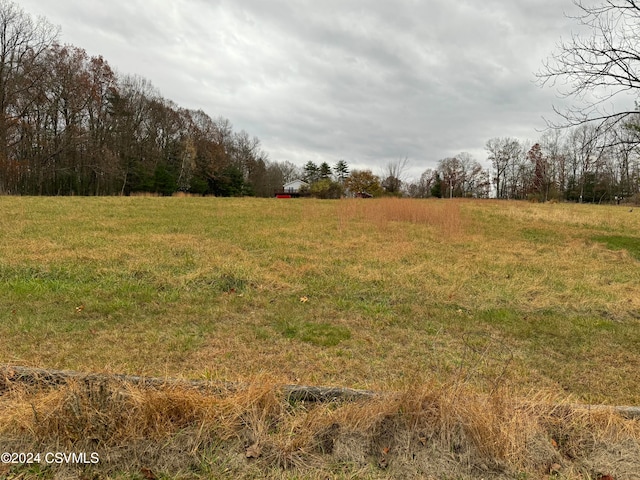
(320, 334)
(620, 242)
(540, 236)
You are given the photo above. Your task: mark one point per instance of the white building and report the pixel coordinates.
(294, 186)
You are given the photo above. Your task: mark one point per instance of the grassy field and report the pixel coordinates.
(388, 294)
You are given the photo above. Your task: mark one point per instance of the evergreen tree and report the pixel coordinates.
(230, 183)
(311, 172)
(341, 170)
(325, 170)
(436, 189)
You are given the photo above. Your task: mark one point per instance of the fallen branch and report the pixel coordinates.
(39, 377)
(301, 393)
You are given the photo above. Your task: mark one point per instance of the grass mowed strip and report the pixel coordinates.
(373, 294)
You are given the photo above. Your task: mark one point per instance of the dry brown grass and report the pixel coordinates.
(444, 217)
(430, 431)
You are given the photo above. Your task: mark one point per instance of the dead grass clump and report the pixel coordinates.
(482, 430)
(474, 432)
(110, 412)
(577, 430)
(250, 412)
(180, 194)
(438, 430)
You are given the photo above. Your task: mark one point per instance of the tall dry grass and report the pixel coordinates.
(444, 216)
(395, 433)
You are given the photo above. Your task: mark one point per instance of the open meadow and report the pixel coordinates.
(529, 300)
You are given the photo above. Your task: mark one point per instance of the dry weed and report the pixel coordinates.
(403, 432)
(444, 216)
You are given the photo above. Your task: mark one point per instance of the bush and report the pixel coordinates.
(326, 188)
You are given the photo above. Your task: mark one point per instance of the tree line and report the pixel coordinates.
(582, 163)
(593, 155)
(70, 125)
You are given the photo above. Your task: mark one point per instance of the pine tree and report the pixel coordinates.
(341, 170)
(325, 170)
(436, 189)
(311, 172)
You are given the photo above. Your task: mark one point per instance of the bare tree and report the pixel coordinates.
(22, 43)
(394, 175)
(422, 187)
(288, 171)
(462, 176)
(504, 155)
(554, 149)
(599, 67)
(627, 155)
(585, 147)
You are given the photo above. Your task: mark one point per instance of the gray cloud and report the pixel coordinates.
(366, 81)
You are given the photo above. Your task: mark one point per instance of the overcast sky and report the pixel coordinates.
(365, 81)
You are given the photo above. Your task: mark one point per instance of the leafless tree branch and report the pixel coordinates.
(596, 69)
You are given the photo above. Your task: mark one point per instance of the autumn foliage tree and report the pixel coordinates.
(363, 182)
(70, 125)
(540, 184)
